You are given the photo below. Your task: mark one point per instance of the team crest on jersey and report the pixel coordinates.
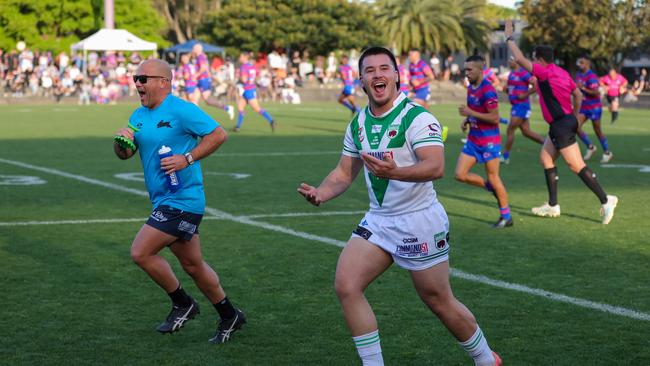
(441, 240)
(392, 133)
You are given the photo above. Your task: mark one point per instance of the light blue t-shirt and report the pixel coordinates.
(177, 124)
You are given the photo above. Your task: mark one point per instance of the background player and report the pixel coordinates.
(519, 90)
(189, 75)
(421, 75)
(204, 81)
(484, 140)
(556, 89)
(348, 76)
(406, 224)
(590, 109)
(176, 215)
(616, 85)
(404, 77)
(247, 76)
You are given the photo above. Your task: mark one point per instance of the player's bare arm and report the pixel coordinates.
(577, 100)
(124, 152)
(208, 144)
(491, 117)
(430, 166)
(336, 182)
(531, 90)
(514, 49)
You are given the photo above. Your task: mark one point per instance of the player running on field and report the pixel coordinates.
(348, 76)
(616, 85)
(247, 76)
(399, 146)
(483, 144)
(421, 76)
(591, 109)
(519, 90)
(165, 120)
(204, 81)
(404, 77)
(189, 75)
(556, 89)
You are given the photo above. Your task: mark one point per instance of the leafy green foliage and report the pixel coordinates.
(56, 24)
(319, 26)
(445, 25)
(607, 30)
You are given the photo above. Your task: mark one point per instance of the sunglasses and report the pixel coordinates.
(143, 78)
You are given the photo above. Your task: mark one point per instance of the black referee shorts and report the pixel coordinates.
(175, 222)
(563, 131)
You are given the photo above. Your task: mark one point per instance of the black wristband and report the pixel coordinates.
(509, 38)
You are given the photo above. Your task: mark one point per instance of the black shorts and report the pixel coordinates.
(175, 222)
(611, 99)
(563, 131)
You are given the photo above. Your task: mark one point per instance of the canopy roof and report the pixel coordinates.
(187, 47)
(114, 40)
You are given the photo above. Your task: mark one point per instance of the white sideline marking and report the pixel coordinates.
(616, 310)
(303, 214)
(291, 153)
(642, 168)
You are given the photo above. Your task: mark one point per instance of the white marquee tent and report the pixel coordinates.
(112, 40)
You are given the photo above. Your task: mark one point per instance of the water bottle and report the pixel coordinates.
(173, 181)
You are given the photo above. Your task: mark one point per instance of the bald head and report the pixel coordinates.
(155, 66)
(197, 49)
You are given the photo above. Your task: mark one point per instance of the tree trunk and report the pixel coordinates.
(172, 20)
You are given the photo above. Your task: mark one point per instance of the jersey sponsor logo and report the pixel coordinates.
(159, 216)
(187, 227)
(413, 249)
(363, 232)
(380, 154)
(164, 124)
(409, 240)
(376, 128)
(364, 223)
(360, 132)
(441, 239)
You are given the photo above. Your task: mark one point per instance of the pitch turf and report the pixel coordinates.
(71, 295)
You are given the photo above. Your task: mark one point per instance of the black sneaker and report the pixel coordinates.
(178, 316)
(503, 223)
(273, 126)
(227, 327)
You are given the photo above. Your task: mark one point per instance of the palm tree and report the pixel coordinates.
(450, 25)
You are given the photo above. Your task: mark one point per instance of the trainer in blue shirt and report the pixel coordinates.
(167, 120)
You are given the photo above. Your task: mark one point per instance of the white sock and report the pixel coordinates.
(478, 349)
(369, 349)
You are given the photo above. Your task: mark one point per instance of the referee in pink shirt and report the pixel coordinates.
(560, 101)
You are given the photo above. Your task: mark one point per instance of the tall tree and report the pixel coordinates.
(56, 24)
(184, 17)
(443, 25)
(608, 30)
(320, 26)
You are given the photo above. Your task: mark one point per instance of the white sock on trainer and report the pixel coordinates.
(478, 349)
(369, 349)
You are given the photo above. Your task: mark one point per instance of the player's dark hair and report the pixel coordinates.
(377, 50)
(585, 57)
(475, 58)
(545, 53)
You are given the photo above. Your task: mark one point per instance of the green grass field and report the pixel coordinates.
(72, 296)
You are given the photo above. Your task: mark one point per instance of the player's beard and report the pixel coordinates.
(378, 95)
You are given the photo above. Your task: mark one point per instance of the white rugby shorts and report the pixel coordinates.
(416, 240)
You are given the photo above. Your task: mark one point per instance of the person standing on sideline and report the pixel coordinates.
(167, 120)
(399, 146)
(248, 76)
(519, 90)
(556, 89)
(347, 75)
(421, 75)
(204, 81)
(483, 144)
(616, 85)
(591, 109)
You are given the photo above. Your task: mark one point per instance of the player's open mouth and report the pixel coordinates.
(379, 87)
(141, 93)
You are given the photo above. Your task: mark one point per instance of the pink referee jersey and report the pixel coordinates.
(613, 85)
(554, 86)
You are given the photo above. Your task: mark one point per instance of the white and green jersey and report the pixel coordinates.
(400, 131)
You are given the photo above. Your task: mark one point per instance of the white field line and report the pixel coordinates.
(616, 310)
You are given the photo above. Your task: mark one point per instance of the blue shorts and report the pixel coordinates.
(175, 222)
(521, 110)
(250, 94)
(483, 154)
(205, 84)
(422, 94)
(348, 90)
(592, 114)
(190, 89)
